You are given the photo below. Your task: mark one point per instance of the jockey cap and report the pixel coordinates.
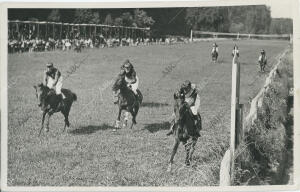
(127, 64)
(262, 51)
(49, 65)
(186, 86)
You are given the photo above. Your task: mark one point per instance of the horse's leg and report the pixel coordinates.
(187, 146)
(117, 124)
(175, 147)
(135, 112)
(66, 112)
(67, 123)
(126, 118)
(48, 120)
(192, 148)
(43, 119)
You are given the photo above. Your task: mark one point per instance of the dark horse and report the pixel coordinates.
(214, 56)
(185, 130)
(127, 101)
(49, 103)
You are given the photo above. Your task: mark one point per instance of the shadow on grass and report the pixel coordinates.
(153, 104)
(90, 129)
(154, 127)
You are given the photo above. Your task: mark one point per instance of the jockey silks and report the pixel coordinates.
(193, 99)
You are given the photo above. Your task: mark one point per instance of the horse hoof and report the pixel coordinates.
(114, 130)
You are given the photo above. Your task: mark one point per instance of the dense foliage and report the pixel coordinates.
(165, 21)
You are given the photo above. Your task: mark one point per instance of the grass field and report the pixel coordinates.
(90, 153)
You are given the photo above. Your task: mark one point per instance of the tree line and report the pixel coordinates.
(169, 21)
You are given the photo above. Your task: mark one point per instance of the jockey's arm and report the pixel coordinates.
(197, 102)
(57, 76)
(45, 79)
(133, 78)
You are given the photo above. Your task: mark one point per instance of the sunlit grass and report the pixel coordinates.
(90, 153)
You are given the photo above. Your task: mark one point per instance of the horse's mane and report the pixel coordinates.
(41, 85)
(120, 81)
(179, 103)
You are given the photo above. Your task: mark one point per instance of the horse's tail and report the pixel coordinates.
(74, 97)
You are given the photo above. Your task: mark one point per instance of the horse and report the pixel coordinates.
(127, 101)
(262, 63)
(78, 47)
(49, 103)
(185, 130)
(214, 56)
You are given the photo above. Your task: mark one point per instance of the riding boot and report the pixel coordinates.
(136, 96)
(61, 102)
(197, 119)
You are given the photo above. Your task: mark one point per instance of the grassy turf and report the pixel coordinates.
(90, 153)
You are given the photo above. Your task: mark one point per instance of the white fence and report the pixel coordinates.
(237, 36)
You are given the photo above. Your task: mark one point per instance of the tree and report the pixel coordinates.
(281, 26)
(108, 20)
(54, 15)
(118, 21)
(86, 16)
(141, 19)
(127, 19)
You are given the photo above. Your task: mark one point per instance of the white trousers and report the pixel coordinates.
(195, 108)
(57, 87)
(135, 85)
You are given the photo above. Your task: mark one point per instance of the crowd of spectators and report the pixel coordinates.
(77, 44)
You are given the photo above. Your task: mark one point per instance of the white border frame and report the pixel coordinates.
(144, 4)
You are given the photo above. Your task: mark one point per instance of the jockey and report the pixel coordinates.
(128, 72)
(215, 48)
(192, 98)
(262, 56)
(53, 80)
(235, 50)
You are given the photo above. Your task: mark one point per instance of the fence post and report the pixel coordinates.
(239, 127)
(235, 94)
(191, 36)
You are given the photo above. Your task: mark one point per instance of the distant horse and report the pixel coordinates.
(49, 103)
(214, 56)
(127, 101)
(262, 63)
(78, 47)
(185, 130)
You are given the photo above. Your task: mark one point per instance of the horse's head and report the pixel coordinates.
(41, 93)
(119, 84)
(179, 106)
